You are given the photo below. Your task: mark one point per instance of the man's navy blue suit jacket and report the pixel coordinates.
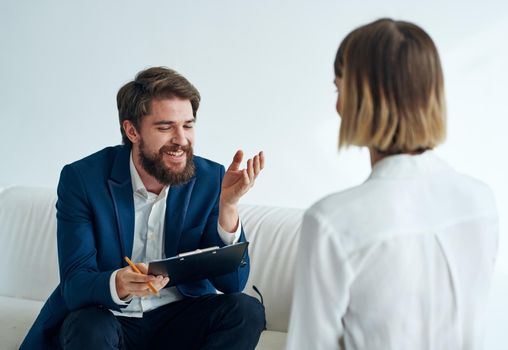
(95, 228)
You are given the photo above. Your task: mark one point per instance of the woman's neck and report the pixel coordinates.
(376, 155)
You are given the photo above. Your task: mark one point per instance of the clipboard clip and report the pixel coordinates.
(197, 251)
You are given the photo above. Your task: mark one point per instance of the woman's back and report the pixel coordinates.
(402, 261)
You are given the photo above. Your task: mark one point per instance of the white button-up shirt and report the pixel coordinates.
(148, 244)
(403, 261)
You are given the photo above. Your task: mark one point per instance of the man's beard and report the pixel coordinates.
(154, 164)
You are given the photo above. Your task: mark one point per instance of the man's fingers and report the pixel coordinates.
(129, 282)
(237, 160)
(250, 170)
(257, 165)
(258, 162)
(246, 179)
(131, 276)
(142, 267)
(137, 288)
(161, 283)
(261, 160)
(127, 275)
(142, 288)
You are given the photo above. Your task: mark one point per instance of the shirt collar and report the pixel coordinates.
(408, 166)
(137, 184)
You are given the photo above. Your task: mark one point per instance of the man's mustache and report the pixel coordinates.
(174, 148)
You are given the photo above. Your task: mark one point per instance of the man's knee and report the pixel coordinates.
(249, 309)
(90, 327)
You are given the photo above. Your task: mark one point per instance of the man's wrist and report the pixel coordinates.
(114, 295)
(228, 216)
(230, 237)
(227, 203)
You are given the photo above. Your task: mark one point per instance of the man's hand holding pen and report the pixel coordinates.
(130, 282)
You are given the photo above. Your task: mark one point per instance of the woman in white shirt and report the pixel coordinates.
(404, 260)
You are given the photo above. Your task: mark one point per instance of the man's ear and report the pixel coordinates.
(130, 131)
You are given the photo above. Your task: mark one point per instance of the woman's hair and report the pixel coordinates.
(391, 88)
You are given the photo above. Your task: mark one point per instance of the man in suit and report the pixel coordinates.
(148, 199)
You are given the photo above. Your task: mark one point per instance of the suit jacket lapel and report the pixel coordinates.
(120, 187)
(176, 209)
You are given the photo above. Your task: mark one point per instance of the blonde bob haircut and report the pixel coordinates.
(391, 88)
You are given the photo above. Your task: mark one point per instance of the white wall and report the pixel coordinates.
(264, 69)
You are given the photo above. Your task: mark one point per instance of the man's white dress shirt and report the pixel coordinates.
(403, 261)
(148, 244)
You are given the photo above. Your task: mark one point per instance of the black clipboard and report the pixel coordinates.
(199, 264)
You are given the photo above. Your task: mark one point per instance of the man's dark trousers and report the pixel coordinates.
(224, 321)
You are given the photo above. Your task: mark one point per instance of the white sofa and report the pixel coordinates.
(29, 270)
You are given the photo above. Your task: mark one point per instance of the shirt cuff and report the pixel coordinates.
(114, 294)
(229, 237)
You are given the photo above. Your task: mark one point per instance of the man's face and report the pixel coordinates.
(166, 137)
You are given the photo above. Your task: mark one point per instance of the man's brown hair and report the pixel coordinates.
(134, 98)
(392, 89)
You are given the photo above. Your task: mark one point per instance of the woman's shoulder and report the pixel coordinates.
(340, 211)
(345, 200)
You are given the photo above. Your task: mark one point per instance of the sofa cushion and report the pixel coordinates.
(17, 316)
(30, 271)
(273, 233)
(272, 340)
(28, 236)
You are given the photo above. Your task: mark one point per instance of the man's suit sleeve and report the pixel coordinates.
(82, 283)
(235, 281)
